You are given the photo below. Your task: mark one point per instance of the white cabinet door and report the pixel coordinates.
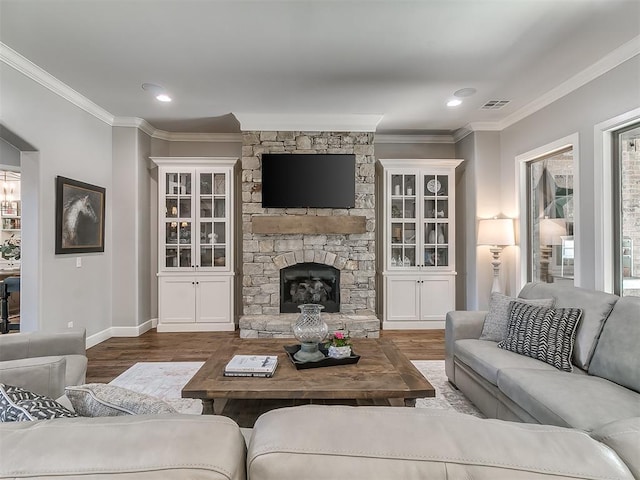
(403, 301)
(177, 299)
(214, 298)
(437, 296)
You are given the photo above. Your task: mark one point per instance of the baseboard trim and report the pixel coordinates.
(106, 334)
(414, 325)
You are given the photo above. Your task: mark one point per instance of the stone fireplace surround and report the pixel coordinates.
(265, 254)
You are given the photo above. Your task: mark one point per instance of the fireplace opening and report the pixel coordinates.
(309, 283)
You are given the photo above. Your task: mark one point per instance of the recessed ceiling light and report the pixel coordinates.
(157, 91)
(454, 102)
(465, 92)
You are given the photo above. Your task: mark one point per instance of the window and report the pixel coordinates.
(626, 211)
(550, 217)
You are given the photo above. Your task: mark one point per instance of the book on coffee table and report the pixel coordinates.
(251, 366)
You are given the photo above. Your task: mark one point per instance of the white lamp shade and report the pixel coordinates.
(552, 230)
(496, 231)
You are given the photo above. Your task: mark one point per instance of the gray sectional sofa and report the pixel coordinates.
(603, 387)
(359, 443)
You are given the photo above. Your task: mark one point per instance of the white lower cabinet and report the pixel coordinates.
(418, 301)
(190, 303)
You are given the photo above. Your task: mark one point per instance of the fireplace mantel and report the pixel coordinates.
(309, 224)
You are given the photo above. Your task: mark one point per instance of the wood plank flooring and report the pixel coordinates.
(112, 357)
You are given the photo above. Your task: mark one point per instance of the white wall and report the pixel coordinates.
(75, 144)
(608, 96)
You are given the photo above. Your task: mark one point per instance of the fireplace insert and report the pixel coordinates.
(309, 283)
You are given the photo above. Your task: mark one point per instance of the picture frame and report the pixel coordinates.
(80, 216)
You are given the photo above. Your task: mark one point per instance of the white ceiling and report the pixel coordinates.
(399, 59)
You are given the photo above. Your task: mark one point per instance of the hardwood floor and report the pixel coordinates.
(109, 359)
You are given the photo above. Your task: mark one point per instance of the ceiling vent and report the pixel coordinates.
(494, 104)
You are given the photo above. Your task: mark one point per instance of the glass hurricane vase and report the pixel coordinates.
(310, 330)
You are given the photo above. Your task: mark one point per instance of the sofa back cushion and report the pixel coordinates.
(617, 356)
(596, 307)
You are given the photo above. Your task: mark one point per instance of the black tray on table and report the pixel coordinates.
(325, 362)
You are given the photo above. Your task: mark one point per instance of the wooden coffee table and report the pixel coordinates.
(383, 376)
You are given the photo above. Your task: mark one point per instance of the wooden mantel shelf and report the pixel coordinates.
(309, 224)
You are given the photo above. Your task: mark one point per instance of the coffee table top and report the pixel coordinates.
(383, 372)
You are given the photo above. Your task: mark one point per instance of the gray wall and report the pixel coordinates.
(75, 144)
(9, 155)
(414, 150)
(608, 96)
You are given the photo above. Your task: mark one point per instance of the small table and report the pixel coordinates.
(383, 376)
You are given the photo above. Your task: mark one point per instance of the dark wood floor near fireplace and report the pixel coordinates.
(109, 359)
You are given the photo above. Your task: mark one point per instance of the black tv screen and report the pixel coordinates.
(308, 180)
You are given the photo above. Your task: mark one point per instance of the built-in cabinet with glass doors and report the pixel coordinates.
(195, 247)
(418, 242)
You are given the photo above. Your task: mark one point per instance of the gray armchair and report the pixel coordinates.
(42, 362)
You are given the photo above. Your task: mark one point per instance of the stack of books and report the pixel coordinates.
(251, 366)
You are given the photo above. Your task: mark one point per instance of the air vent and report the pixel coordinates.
(494, 104)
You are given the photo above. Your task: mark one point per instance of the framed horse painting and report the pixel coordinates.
(79, 217)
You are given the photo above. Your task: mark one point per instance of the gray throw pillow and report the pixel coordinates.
(102, 400)
(495, 323)
(19, 405)
(546, 334)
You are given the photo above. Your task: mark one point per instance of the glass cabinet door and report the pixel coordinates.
(178, 221)
(436, 220)
(403, 228)
(213, 219)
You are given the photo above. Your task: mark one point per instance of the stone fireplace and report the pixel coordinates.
(267, 257)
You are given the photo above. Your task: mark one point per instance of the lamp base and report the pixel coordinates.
(496, 262)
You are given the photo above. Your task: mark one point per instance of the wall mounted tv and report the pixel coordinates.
(308, 180)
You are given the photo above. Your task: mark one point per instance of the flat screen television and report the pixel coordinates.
(308, 180)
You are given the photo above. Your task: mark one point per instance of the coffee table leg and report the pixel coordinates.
(218, 405)
(207, 406)
(402, 402)
(409, 402)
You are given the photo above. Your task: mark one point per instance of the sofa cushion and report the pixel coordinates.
(101, 400)
(623, 436)
(596, 307)
(408, 443)
(487, 359)
(19, 405)
(497, 319)
(546, 334)
(568, 399)
(616, 357)
(143, 447)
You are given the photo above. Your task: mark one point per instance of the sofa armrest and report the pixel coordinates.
(42, 344)
(460, 324)
(42, 375)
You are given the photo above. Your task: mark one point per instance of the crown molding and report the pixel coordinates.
(308, 122)
(462, 132)
(389, 138)
(146, 127)
(135, 122)
(198, 137)
(37, 74)
(618, 56)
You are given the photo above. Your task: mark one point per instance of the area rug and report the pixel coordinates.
(447, 397)
(165, 380)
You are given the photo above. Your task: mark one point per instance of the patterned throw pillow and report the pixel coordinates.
(102, 400)
(546, 334)
(495, 323)
(18, 405)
